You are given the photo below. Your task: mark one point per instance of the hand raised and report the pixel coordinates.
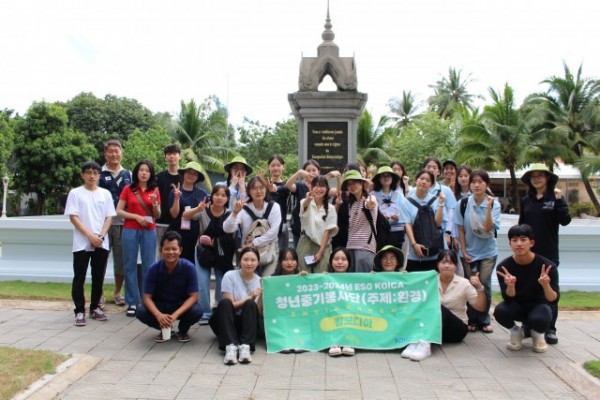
(509, 279)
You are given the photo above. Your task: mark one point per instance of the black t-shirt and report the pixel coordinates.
(281, 197)
(300, 193)
(165, 180)
(527, 289)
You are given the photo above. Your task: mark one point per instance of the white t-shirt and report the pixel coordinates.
(92, 207)
(234, 284)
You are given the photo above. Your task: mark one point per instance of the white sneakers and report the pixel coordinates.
(516, 340)
(244, 357)
(539, 341)
(335, 351)
(231, 354)
(417, 351)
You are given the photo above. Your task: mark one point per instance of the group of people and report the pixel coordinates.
(448, 224)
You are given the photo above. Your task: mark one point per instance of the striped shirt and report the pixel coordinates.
(359, 229)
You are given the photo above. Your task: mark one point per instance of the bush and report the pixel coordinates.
(577, 209)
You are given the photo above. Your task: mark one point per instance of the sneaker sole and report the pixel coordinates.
(514, 347)
(245, 361)
(230, 362)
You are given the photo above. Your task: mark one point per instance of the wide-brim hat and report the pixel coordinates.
(352, 175)
(235, 160)
(193, 165)
(377, 260)
(387, 170)
(552, 177)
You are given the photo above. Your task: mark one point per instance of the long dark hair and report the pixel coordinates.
(457, 187)
(320, 180)
(134, 175)
(282, 256)
(403, 168)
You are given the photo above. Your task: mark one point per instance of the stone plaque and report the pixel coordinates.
(327, 142)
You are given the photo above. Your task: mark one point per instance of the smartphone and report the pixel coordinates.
(425, 251)
(309, 260)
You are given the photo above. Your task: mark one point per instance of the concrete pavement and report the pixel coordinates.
(132, 366)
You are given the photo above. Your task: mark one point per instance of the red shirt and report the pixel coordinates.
(133, 206)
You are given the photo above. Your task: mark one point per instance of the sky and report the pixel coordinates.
(248, 52)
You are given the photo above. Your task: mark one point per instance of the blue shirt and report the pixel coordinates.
(478, 248)
(174, 288)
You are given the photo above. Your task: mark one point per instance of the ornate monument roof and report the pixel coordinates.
(342, 70)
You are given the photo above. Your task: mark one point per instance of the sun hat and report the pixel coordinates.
(386, 170)
(235, 160)
(552, 177)
(193, 165)
(352, 175)
(397, 252)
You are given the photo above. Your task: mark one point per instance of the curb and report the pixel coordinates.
(579, 379)
(67, 373)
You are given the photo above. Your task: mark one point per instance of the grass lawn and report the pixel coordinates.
(593, 367)
(569, 300)
(20, 368)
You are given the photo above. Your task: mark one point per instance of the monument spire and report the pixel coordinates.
(328, 34)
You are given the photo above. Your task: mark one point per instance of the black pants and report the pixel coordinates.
(536, 316)
(81, 259)
(419, 266)
(187, 319)
(237, 329)
(454, 329)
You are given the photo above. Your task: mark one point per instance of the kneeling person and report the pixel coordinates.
(170, 291)
(529, 284)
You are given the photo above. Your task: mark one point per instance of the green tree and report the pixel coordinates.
(451, 94)
(109, 118)
(147, 145)
(370, 140)
(7, 135)
(425, 137)
(281, 139)
(572, 114)
(500, 141)
(404, 110)
(202, 131)
(48, 153)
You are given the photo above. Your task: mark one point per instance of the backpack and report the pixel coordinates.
(463, 208)
(260, 226)
(381, 230)
(426, 232)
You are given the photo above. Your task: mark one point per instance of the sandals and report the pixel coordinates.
(472, 328)
(487, 329)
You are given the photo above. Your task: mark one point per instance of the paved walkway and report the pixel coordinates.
(133, 366)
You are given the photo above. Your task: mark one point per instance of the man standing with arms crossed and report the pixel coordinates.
(114, 178)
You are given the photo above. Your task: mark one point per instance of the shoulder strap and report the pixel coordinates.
(265, 215)
(463, 206)
(414, 202)
(430, 202)
(142, 202)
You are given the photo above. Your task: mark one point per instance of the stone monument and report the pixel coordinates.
(327, 121)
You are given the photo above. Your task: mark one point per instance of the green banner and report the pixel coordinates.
(368, 311)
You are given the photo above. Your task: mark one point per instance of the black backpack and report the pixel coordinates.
(382, 231)
(426, 232)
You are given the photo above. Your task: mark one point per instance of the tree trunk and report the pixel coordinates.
(514, 193)
(590, 192)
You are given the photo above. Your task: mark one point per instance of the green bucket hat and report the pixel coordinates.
(552, 178)
(238, 159)
(377, 260)
(352, 175)
(193, 165)
(387, 170)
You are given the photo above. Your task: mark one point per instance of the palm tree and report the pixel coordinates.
(202, 131)
(571, 107)
(405, 109)
(499, 141)
(371, 140)
(450, 94)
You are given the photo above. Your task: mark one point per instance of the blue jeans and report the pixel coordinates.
(485, 267)
(204, 289)
(131, 240)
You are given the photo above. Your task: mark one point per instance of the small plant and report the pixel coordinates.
(593, 367)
